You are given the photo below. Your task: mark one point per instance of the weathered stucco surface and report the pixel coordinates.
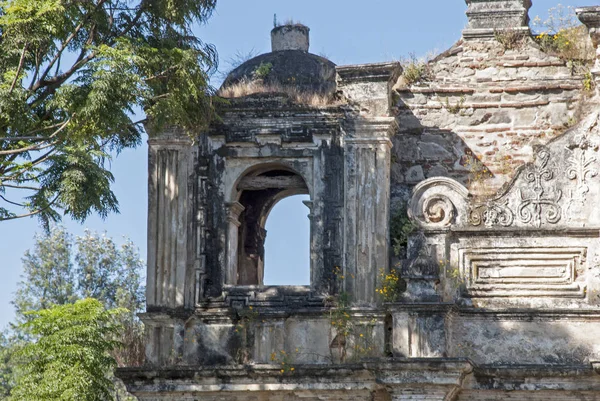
(500, 289)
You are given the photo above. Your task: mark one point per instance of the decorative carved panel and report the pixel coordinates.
(523, 272)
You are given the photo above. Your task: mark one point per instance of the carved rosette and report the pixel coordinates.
(438, 210)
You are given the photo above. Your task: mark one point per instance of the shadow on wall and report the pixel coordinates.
(421, 152)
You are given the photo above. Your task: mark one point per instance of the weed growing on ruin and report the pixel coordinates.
(391, 285)
(345, 333)
(562, 34)
(509, 38)
(251, 87)
(588, 81)
(283, 359)
(400, 229)
(478, 172)
(262, 71)
(340, 319)
(455, 108)
(451, 273)
(415, 70)
(246, 319)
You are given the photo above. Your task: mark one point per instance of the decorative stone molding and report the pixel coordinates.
(488, 16)
(438, 203)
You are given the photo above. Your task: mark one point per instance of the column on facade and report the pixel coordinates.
(366, 206)
(170, 166)
(234, 210)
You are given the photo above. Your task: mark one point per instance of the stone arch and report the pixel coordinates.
(257, 191)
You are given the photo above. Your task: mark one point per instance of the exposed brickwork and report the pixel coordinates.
(481, 101)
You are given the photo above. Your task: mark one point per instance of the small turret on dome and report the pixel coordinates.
(288, 68)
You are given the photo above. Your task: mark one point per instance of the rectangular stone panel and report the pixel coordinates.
(528, 272)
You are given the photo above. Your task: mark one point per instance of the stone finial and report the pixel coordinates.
(590, 17)
(290, 37)
(488, 16)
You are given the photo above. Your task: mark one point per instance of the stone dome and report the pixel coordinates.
(288, 64)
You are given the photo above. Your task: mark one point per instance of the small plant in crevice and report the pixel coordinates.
(452, 273)
(262, 71)
(478, 172)
(391, 285)
(400, 229)
(339, 319)
(283, 359)
(246, 320)
(415, 70)
(588, 81)
(348, 338)
(455, 108)
(509, 38)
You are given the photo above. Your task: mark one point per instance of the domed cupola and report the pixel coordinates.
(289, 64)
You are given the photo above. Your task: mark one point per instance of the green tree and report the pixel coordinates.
(72, 76)
(6, 367)
(69, 359)
(48, 274)
(60, 269)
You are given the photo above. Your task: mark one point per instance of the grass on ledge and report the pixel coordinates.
(246, 88)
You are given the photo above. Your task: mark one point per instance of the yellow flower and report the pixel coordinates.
(292, 369)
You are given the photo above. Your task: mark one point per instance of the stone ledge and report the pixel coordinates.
(426, 374)
(376, 72)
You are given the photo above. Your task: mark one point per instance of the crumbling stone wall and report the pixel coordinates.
(480, 111)
(499, 294)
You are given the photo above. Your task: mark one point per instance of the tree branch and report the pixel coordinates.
(37, 146)
(38, 211)
(66, 43)
(19, 187)
(21, 61)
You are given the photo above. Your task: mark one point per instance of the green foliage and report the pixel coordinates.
(455, 108)
(415, 70)
(563, 35)
(400, 229)
(72, 75)
(6, 368)
(60, 270)
(391, 285)
(70, 358)
(262, 71)
(509, 39)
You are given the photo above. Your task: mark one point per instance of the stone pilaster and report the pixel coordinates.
(234, 210)
(170, 164)
(590, 17)
(366, 207)
(489, 16)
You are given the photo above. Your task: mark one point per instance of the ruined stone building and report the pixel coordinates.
(492, 151)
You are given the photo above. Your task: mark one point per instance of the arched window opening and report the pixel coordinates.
(259, 192)
(287, 246)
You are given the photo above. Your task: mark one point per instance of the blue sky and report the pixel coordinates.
(345, 31)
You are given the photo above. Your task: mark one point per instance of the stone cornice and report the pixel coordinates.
(377, 72)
